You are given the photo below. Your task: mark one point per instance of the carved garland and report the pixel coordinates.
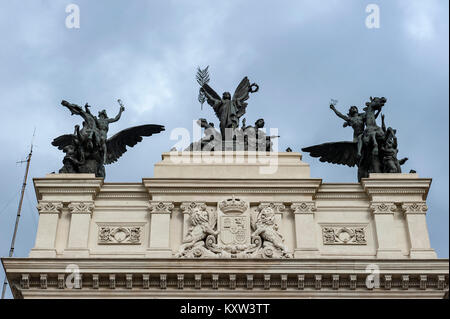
(344, 236)
(119, 235)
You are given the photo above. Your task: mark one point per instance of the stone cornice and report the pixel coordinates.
(170, 265)
(294, 278)
(86, 185)
(260, 186)
(399, 185)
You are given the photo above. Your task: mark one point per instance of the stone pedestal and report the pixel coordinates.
(400, 195)
(69, 195)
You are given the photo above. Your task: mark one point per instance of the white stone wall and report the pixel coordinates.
(82, 216)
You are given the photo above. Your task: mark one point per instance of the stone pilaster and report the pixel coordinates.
(417, 230)
(49, 213)
(74, 195)
(383, 215)
(389, 195)
(159, 245)
(305, 230)
(80, 222)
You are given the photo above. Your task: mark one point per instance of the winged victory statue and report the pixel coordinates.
(229, 109)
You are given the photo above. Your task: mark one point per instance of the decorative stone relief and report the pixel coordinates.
(189, 206)
(264, 226)
(304, 207)
(240, 233)
(81, 207)
(43, 281)
(202, 222)
(383, 208)
(61, 281)
(125, 235)
(25, 281)
(161, 207)
(415, 208)
(49, 207)
(344, 235)
(146, 281)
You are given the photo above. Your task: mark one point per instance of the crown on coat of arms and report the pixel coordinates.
(232, 205)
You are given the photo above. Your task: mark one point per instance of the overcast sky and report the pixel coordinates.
(301, 53)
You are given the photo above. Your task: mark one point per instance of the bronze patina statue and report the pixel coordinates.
(229, 109)
(88, 150)
(373, 149)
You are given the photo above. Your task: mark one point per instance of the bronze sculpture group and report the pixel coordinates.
(88, 149)
(229, 110)
(374, 149)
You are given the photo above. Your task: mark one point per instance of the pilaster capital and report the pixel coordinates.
(188, 207)
(276, 207)
(81, 207)
(383, 207)
(304, 207)
(415, 208)
(161, 207)
(49, 207)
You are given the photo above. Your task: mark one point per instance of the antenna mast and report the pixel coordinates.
(11, 251)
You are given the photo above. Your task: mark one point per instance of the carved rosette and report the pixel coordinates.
(161, 207)
(304, 207)
(415, 208)
(49, 207)
(81, 207)
(383, 208)
(344, 235)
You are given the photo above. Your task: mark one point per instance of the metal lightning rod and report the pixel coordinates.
(11, 251)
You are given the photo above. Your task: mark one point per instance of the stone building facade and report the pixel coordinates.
(232, 224)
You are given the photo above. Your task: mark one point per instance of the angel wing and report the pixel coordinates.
(241, 95)
(343, 153)
(62, 141)
(116, 145)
